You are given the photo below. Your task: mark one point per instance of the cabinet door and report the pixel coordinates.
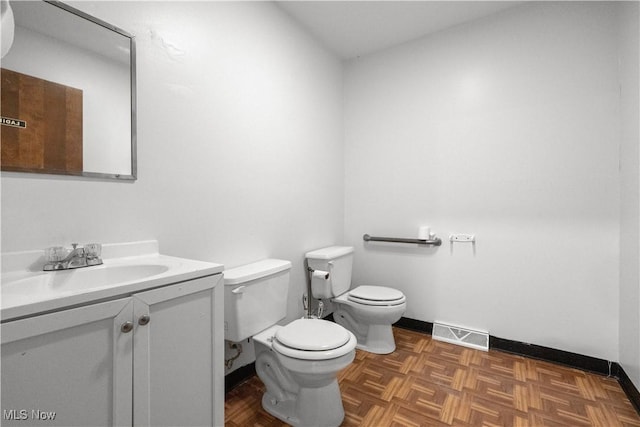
(69, 368)
(178, 355)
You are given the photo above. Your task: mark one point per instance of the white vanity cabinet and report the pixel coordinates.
(175, 355)
(73, 367)
(148, 359)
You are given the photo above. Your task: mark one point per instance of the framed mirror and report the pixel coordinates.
(68, 94)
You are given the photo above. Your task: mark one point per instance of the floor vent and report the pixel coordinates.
(461, 336)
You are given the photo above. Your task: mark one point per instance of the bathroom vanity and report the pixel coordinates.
(135, 341)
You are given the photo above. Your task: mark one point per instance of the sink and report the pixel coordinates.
(128, 268)
(80, 279)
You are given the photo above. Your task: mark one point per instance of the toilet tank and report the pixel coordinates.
(255, 297)
(337, 261)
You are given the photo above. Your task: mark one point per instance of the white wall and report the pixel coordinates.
(630, 192)
(239, 144)
(508, 128)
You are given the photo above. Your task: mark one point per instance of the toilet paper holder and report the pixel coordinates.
(427, 242)
(325, 274)
(306, 299)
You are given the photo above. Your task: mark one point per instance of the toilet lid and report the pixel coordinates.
(312, 335)
(375, 294)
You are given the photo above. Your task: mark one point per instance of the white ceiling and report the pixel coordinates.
(354, 28)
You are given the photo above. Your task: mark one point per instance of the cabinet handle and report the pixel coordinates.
(126, 327)
(144, 319)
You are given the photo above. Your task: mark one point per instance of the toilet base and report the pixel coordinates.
(372, 338)
(320, 407)
(379, 340)
(283, 410)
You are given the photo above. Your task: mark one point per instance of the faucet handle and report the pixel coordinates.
(93, 250)
(55, 253)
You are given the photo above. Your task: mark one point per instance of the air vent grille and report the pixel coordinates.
(461, 336)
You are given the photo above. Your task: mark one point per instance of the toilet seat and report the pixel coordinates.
(313, 339)
(376, 295)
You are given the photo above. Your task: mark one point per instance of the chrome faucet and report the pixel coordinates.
(78, 257)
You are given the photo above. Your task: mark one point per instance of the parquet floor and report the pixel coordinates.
(431, 383)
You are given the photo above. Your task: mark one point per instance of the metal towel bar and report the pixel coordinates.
(429, 242)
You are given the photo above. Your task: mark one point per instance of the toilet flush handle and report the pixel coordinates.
(238, 290)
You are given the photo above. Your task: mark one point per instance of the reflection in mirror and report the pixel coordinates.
(68, 94)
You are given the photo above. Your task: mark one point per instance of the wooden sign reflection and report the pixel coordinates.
(52, 140)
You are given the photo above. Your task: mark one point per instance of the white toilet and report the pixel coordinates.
(367, 311)
(298, 363)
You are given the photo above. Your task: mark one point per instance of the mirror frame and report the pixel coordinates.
(132, 59)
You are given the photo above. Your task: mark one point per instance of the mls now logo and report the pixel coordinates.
(23, 414)
(15, 414)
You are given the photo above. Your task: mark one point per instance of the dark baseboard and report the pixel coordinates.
(239, 376)
(573, 360)
(415, 325)
(628, 387)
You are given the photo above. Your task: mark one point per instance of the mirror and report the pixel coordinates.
(68, 94)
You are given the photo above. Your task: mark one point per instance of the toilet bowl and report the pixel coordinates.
(298, 362)
(367, 311)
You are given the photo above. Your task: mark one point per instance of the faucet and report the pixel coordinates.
(78, 257)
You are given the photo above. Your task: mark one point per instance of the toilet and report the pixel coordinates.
(367, 311)
(298, 363)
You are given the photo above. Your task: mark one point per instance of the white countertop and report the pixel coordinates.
(26, 290)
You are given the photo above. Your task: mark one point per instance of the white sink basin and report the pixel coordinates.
(80, 279)
(27, 290)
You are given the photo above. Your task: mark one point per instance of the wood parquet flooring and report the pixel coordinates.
(430, 383)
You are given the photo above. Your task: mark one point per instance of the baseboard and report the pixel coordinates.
(628, 387)
(415, 325)
(239, 376)
(573, 360)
